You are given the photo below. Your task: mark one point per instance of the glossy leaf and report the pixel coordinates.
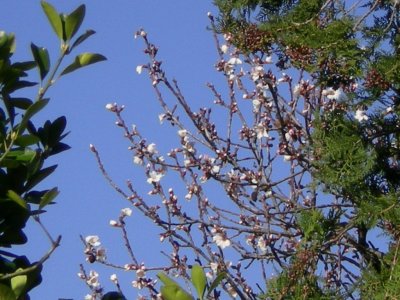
(18, 284)
(56, 129)
(31, 111)
(73, 21)
(41, 56)
(166, 280)
(22, 103)
(216, 282)
(60, 147)
(10, 108)
(83, 60)
(34, 197)
(16, 198)
(82, 38)
(13, 236)
(48, 197)
(19, 85)
(54, 19)
(39, 176)
(27, 140)
(199, 280)
(26, 155)
(174, 292)
(24, 65)
(6, 293)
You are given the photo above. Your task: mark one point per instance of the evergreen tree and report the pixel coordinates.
(349, 52)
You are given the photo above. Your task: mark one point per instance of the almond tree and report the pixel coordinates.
(304, 147)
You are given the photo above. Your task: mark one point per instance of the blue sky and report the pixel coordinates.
(86, 203)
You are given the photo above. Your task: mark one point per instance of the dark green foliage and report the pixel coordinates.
(343, 159)
(24, 149)
(354, 161)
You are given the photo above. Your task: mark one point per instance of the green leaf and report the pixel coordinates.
(199, 280)
(73, 21)
(54, 19)
(16, 198)
(82, 38)
(18, 284)
(56, 129)
(41, 56)
(39, 176)
(216, 282)
(34, 196)
(166, 280)
(26, 155)
(27, 140)
(31, 111)
(83, 60)
(24, 65)
(22, 103)
(6, 293)
(48, 197)
(174, 292)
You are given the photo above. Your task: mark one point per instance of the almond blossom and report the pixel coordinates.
(154, 177)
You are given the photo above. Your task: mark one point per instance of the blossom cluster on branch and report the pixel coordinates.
(291, 154)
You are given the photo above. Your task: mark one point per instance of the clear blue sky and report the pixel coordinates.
(86, 203)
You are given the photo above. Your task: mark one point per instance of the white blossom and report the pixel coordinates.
(154, 177)
(111, 106)
(268, 59)
(287, 157)
(152, 148)
(113, 223)
(137, 284)
(161, 117)
(114, 278)
(126, 212)
(139, 69)
(235, 61)
(89, 297)
(257, 73)
(221, 240)
(224, 48)
(256, 105)
(231, 290)
(215, 169)
(141, 272)
(93, 240)
(262, 244)
(137, 160)
(182, 133)
(261, 131)
(214, 267)
(187, 163)
(297, 90)
(361, 115)
(338, 95)
(93, 279)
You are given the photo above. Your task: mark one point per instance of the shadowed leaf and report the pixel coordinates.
(41, 56)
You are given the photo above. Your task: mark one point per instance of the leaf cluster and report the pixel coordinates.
(25, 146)
(171, 290)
